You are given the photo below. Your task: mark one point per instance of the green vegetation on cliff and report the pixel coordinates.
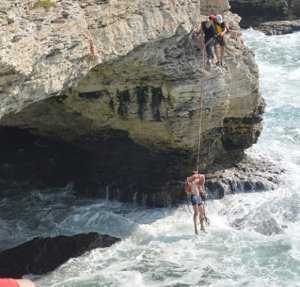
(47, 4)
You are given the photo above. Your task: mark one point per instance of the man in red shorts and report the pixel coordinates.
(4, 282)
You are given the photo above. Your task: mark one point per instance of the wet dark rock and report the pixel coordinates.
(118, 172)
(30, 162)
(279, 27)
(42, 255)
(260, 186)
(246, 175)
(255, 12)
(216, 189)
(241, 133)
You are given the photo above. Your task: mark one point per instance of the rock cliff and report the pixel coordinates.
(255, 12)
(111, 94)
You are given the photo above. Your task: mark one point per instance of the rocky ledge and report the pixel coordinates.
(246, 175)
(110, 94)
(279, 27)
(42, 255)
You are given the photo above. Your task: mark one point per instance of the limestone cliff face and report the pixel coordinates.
(124, 81)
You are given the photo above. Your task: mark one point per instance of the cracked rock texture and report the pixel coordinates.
(124, 85)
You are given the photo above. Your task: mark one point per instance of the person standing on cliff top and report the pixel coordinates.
(195, 187)
(207, 29)
(221, 29)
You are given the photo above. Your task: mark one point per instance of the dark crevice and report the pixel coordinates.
(157, 97)
(142, 94)
(30, 161)
(93, 95)
(124, 100)
(109, 159)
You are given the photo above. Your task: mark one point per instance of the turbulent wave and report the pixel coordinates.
(253, 240)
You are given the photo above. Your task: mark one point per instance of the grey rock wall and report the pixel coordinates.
(125, 81)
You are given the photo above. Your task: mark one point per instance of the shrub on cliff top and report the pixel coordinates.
(47, 4)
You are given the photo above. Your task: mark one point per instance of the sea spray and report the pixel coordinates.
(253, 240)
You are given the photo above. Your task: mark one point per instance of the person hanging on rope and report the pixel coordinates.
(207, 29)
(195, 187)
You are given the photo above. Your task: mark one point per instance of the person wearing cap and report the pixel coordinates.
(221, 29)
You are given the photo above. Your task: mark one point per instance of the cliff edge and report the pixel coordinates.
(111, 94)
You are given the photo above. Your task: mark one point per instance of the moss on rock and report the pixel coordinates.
(46, 4)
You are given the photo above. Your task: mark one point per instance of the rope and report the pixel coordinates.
(200, 110)
(206, 219)
(200, 123)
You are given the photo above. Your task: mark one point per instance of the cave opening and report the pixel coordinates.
(108, 165)
(30, 161)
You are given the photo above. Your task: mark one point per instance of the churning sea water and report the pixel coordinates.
(253, 240)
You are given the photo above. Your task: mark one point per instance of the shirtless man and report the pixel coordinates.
(195, 185)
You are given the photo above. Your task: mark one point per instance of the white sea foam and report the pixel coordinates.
(253, 239)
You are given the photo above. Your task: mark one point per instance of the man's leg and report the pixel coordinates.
(201, 216)
(209, 52)
(196, 214)
(214, 54)
(205, 217)
(222, 54)
(218, 53)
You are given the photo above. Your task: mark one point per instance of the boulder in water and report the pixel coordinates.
(262, 221)
(42, 255)
(247, 175)
(279, 27)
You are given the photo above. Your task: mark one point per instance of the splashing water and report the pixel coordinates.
(253, 240)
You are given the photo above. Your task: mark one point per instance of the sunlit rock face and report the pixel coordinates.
(123, 84)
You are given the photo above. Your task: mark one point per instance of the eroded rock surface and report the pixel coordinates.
(124, 82)
(42, 255)
(246, 175)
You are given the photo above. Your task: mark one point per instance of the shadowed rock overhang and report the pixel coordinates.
(121, 84)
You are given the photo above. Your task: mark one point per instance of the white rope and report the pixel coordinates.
(200, 111)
